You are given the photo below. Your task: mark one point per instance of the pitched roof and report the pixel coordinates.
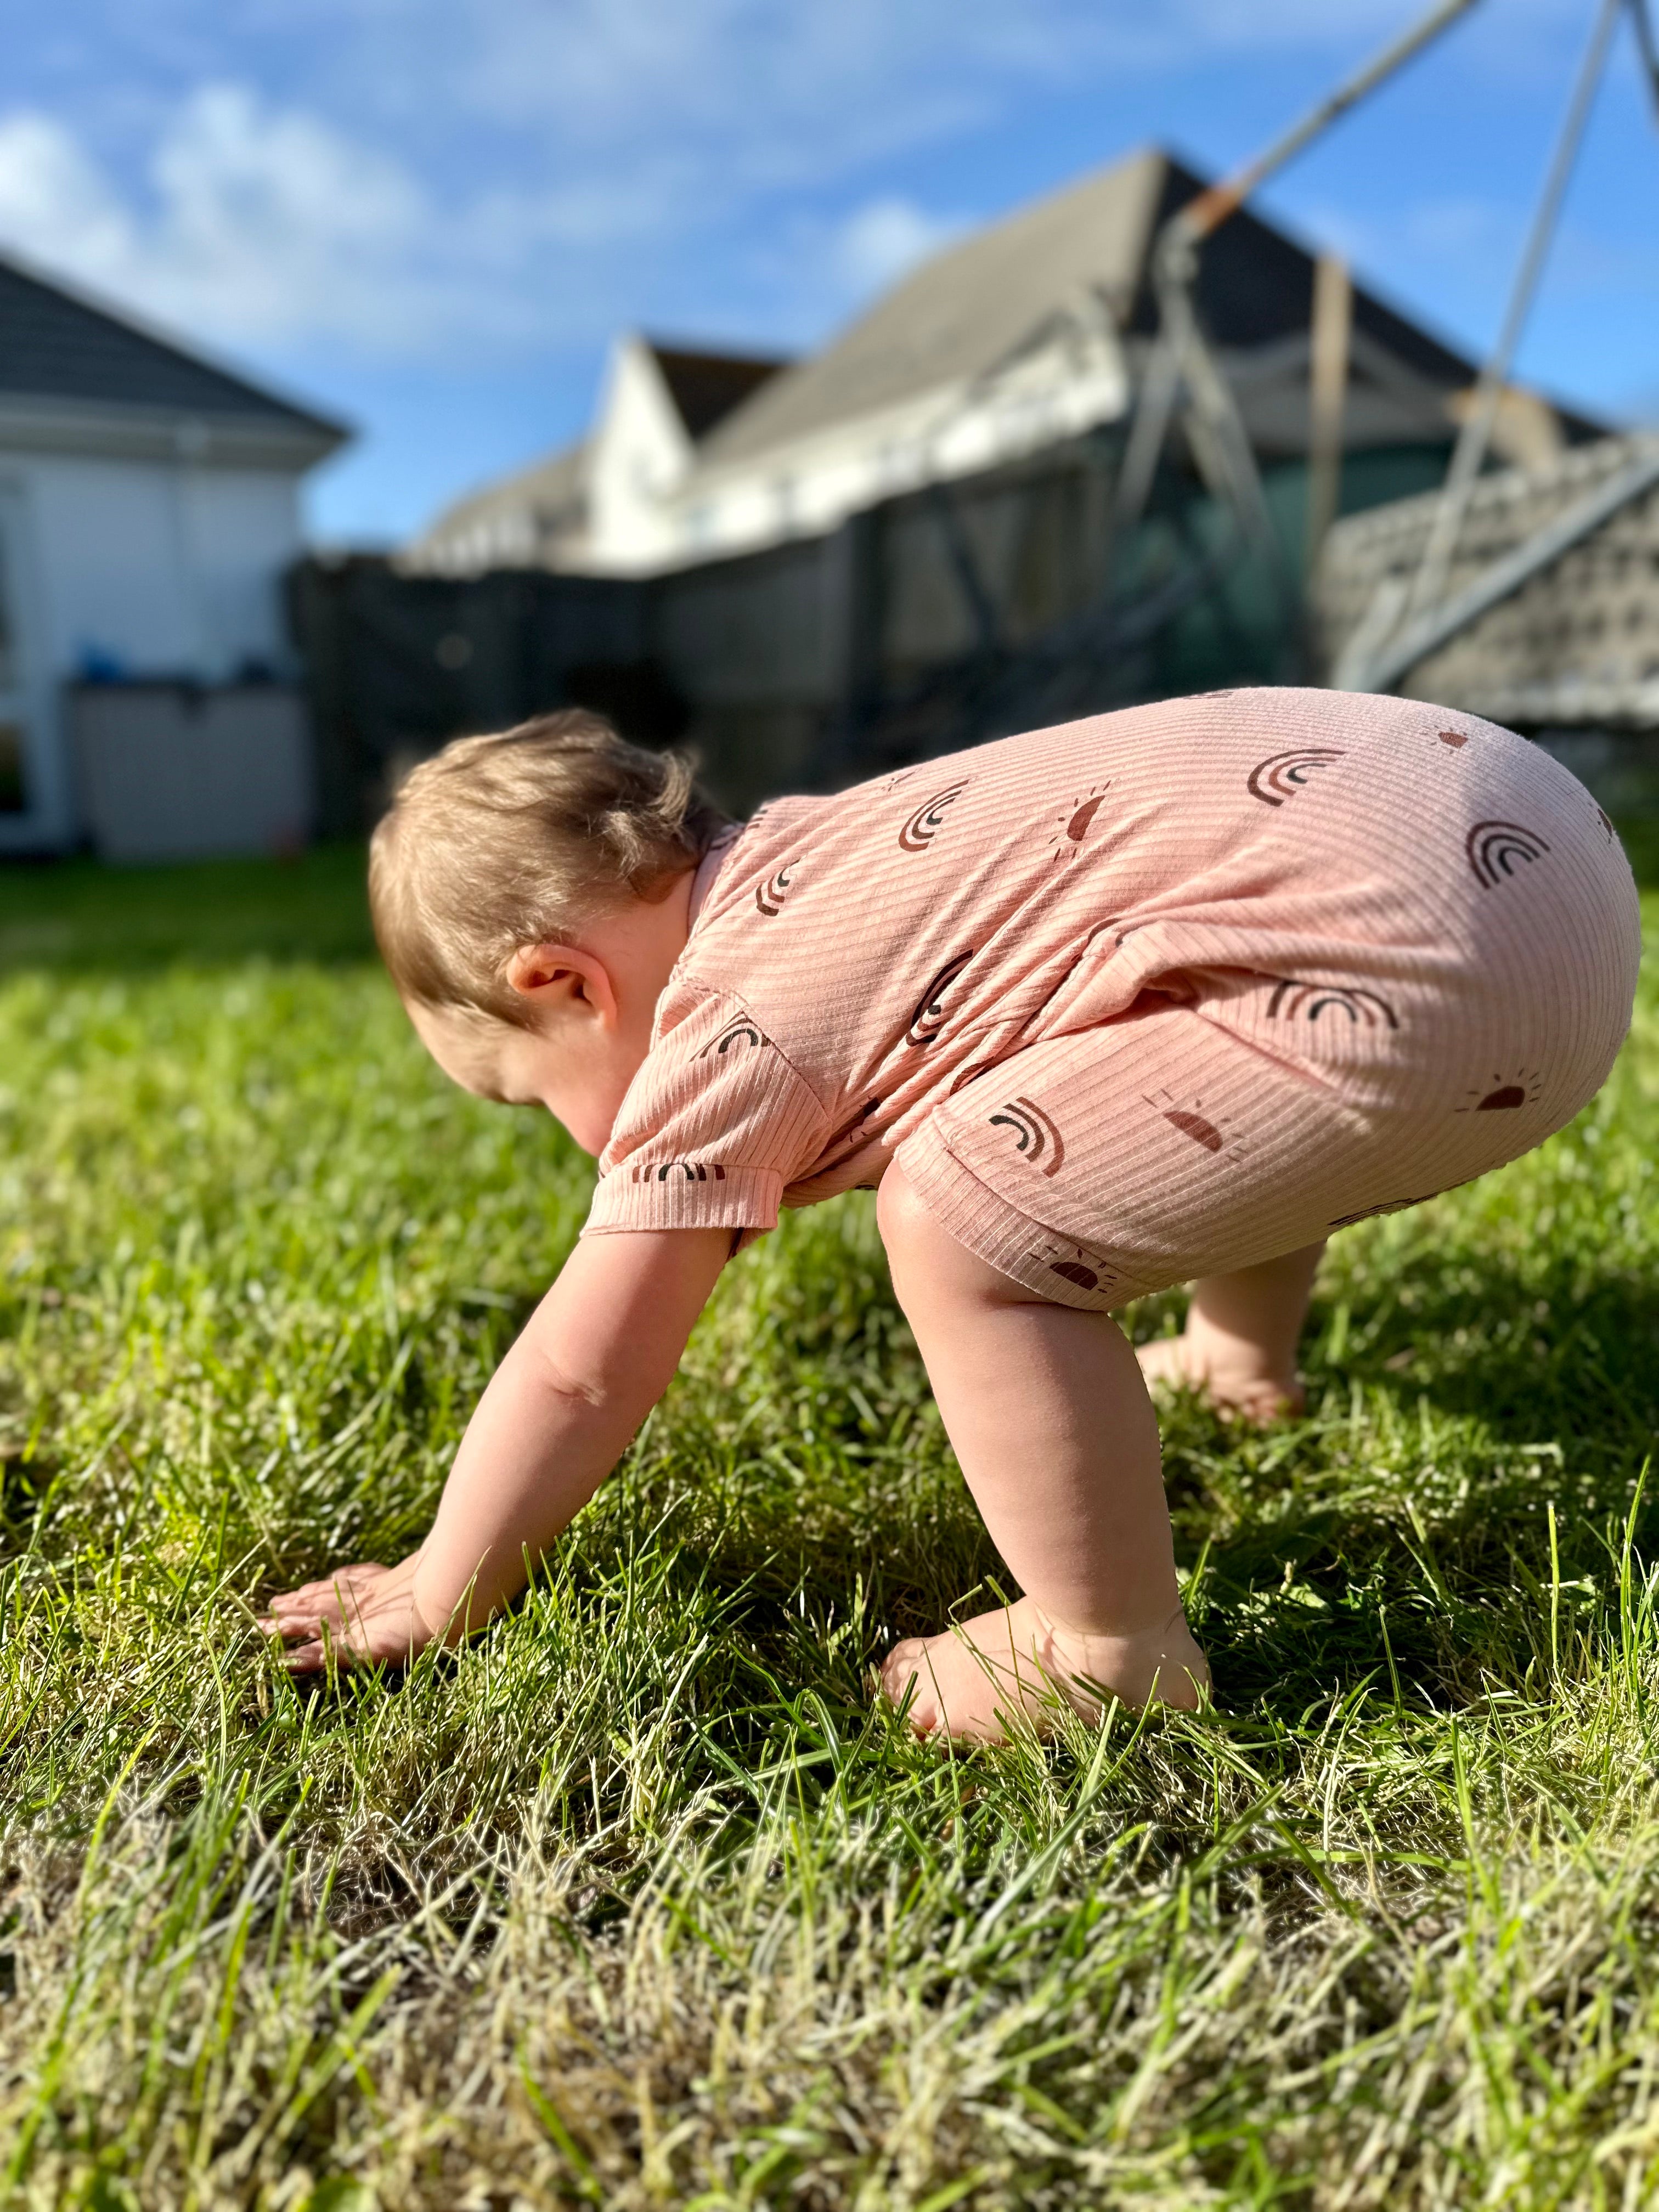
(532, 509)
(705, 388)
(973, 305)
(56, 347)
(524, 516)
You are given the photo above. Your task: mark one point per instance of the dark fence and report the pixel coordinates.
(396, 665)
(944, 616)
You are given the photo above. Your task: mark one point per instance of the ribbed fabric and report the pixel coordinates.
(725, 1116)
(1146, 996)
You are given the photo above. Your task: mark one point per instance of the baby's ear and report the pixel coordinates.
(535, 968)
(555, 976)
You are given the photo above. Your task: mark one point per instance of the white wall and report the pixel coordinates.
(656, 504)
(164, 566)
(641, 457)
(1054, 392)
(160, 567)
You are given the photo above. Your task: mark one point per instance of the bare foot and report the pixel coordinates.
(1015, 1658)
(1231, 1383)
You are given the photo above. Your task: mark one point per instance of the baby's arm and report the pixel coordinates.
(595, 1357)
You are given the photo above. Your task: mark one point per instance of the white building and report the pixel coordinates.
(148, 508)
(613, 504)
(1017, 339)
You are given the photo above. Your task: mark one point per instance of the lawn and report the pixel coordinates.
(640, 1900)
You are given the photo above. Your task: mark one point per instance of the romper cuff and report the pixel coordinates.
(684, 1194)
(1003, 1234)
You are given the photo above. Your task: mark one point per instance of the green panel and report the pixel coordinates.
(1245, 630)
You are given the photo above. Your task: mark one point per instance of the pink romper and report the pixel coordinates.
(1146, 997)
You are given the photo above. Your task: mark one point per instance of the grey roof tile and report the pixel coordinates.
(973, 305)
(56, 347)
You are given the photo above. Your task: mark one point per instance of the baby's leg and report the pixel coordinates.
(1239, 1343)
(1058, 1443)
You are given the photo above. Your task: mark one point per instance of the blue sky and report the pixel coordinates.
(430, 215)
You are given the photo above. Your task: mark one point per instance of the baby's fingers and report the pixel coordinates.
(300, 1621)
(296, 1616)
(308, 1640)
(335, 1602)
(338, 1611)
(313, 1644)
(327, 1586)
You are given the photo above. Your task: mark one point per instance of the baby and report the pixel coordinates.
(1162, 996)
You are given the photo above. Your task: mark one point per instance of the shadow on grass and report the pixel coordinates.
(1399, 1534)
(1418, 1493)
(81, 917)
(1562, 1354)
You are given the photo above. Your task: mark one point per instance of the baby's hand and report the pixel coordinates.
(360, 1613)
(594, 1357)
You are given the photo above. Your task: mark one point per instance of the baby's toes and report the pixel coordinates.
(1160, 1360)
(1263, 1402)
(904, 1675)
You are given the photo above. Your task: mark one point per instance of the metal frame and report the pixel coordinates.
(1183, 382)
(1403, 627)
(1386, 664)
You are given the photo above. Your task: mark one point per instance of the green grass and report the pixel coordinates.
(640, 1900)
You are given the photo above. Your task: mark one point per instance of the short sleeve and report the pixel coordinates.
(714, 1126)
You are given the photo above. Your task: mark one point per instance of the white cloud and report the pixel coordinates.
(720, 97)
(883, 240)
(861, 74)
(259, 226)
(534, 171)
(54, 202)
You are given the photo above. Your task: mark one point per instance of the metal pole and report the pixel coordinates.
(1438, 625)
(1647, 44)
(1175, 259)
(1476, 433)
(1212, 208)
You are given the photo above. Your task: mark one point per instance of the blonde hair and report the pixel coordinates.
(515, 839)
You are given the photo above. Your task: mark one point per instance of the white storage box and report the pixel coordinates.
(171, 772)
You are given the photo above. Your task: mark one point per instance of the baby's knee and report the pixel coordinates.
(925, 1260)
(901, 1215)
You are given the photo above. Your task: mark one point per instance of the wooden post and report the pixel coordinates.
(1328, 386)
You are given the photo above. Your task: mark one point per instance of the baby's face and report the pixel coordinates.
(575, 1072)
(593, 1004)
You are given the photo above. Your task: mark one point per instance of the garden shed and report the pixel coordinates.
(148, 508)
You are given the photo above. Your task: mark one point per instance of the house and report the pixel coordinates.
(607, 504)
(148, 510)
(1024, 338)
(920, 536)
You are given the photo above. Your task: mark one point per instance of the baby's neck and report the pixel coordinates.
(660, 928)
(640, 944)
(703, 875)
